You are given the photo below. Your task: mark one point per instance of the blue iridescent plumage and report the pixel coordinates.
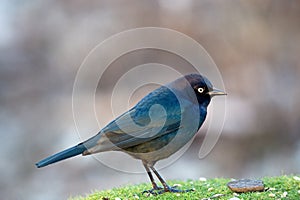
(155, 128)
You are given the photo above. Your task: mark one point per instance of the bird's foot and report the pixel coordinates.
(175, 189)
(154, 191)
(160, 190)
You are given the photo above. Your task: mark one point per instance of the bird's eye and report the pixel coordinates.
(200, 90)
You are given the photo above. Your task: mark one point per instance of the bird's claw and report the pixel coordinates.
(175, 190)
(154, 191)
(160, 190)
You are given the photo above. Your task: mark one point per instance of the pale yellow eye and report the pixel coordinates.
(200, 90)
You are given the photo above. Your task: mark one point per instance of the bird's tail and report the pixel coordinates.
(73, 151)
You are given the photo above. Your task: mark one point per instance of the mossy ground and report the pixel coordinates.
(283, 187)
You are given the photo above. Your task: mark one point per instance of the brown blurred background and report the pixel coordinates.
(255, 44)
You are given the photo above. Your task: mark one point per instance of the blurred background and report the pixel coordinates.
(255, 45)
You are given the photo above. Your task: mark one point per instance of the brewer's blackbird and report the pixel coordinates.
(155, 128)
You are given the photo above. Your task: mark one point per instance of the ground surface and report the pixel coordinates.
(283, 187)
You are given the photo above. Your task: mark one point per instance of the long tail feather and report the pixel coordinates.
(73, 151)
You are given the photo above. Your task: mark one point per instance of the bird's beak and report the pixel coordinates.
(216, 92)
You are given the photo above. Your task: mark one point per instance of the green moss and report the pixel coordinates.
(278, 187)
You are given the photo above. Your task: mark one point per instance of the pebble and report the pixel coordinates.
(217, 195)
(246, 185)
(234, 198)
(202, 179)
(272, 195)
(297, 178)
(214, 197)
(236, 194)
(177, 185)
(147, 194)
(284, 194)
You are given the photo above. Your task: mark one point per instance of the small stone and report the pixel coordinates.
(217, 196)
(297, 178)
(298, 191)
(210, 189)
(214, 197)
(117, 198)
(202, 179)
(246, 185)
(148, 194)
(284, 194)
(177, 185)
(272, 195)
(136, 196)
(234, 198)
(272, 189)
(236, 194)
(177, 194)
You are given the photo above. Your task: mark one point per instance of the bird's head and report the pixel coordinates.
(202, 88)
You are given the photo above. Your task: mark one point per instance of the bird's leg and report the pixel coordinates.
(154, 185)
(156, 189)
(165, 185)
(163, 182)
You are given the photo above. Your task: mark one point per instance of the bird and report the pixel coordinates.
(159, 125)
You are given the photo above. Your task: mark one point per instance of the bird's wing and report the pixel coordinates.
(135, 127)
(124, 133)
